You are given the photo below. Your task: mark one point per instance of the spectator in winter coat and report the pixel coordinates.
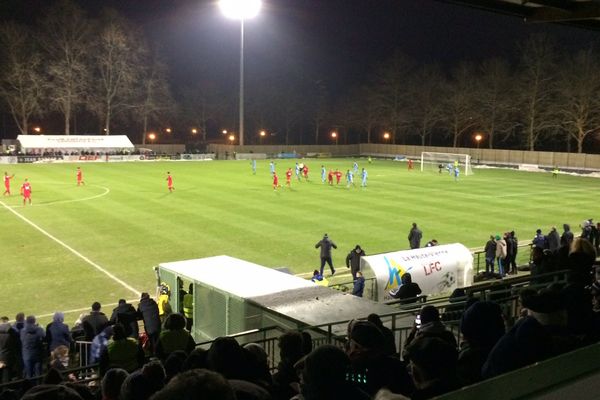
(326, 244)
(500, 254)
(32, 348)
(567, 236)
(359, 285)
(553, 240)
(57, 333)
(10, 352)
(490, 254)
(353, 260)
(408, 291)
(414, 236)
(99, 344)
(174, 337)
(431, 326)
(126, 315)
(121, 352)
(148, 312)
(511, 249)
(539, 240)
(94, 322)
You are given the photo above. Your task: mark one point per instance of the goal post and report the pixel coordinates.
(431, 161)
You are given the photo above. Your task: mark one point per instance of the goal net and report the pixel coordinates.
(432, 162)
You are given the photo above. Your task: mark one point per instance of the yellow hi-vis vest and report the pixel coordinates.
(188, 305)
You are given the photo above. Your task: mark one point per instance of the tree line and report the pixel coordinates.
(106, 71)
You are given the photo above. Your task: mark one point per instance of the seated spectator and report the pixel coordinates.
(582, 256)
(121, 352)
(432, 365)
(481, 325)
(389, 347)
(258, 364)
(454, 310)
(365, 348)
(174, 337)
(359, 285)
(126, 315)
(431, 326)
(94, 322)
(286, 378)
(136, 387)
(51, 392)
(155, 374)
(196, 360)
(57, 333)
(408, 291)
(59, 358)
(540, 335)
(32, 348)
(197, 384)
(319, 279)
(112, 382)
(173, 365)
(99, 344)
(324, 373)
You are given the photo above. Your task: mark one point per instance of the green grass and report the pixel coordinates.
(126, 222)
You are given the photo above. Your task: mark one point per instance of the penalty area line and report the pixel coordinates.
(72, 250)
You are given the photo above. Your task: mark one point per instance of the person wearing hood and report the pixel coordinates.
(57, 333)
(567, 237)
(32, 348)
(353, 260)
(553, 240)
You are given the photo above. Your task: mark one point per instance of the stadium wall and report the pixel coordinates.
(478, 156)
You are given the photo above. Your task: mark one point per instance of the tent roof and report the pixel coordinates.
(75, 142)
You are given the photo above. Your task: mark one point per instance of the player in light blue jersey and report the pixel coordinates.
(355, 167)
(253, 163)
(323, 174)
(297, 171)
(272, 167)
(349, 178)
(364, 176)
(449, 168)
(456, 173)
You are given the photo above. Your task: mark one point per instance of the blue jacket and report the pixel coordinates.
(359, 286)
(57, 334)
(32, 342)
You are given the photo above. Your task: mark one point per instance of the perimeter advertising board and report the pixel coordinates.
(437, 269)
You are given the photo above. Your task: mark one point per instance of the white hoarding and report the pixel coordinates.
(437, 269)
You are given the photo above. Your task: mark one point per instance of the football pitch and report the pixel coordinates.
(99, 242)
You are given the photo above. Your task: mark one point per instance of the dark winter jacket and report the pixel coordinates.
(490, 249)
(93, 324)
(57, 334)
(567, 237)
(539, 241)
(414, 237)
(9, 345)
(126, 315)
(32, 342)
(553, 240)
(325, 244)
(148, 311)
(359, 286)
(353, 260)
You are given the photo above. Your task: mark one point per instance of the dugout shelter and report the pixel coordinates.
(437, 269)
(75, 143)
(233, 296)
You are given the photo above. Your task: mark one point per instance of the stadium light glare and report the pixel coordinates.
(37, 129)
(241, 10)
(386, 135)
(152, 136)
(194, 131)
(231, 138)
(224, 131)
(263, 133)
(168, 130)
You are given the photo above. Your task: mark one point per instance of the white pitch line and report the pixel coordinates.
(106, 191)
(72, 250)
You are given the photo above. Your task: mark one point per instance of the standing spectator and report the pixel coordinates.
(586, 229)
(408, 291)
(326, 244)
(500, 254)
(597, 237)
(553, 240)
(99, 344)
(126, 315)
(121, 352)
(9, 351)
(164, 305)
(188, 307)
(32, 342)
(359, 285)
(94, 322)
(490, 254)
(19, 323)
(567, 237)
(57, 333)
(112, 382)
(414, 236)
(539, 240)
(513, 260)
(510, 254)
(148, 312)
(353, 260)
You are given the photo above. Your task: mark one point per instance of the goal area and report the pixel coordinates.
(432, 161)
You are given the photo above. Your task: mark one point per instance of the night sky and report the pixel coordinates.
(336, 41)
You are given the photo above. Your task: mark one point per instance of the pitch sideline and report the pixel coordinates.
(72, 250)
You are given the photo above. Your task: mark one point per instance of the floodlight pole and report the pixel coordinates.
(241, 139)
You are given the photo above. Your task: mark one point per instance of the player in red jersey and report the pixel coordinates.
(410, 164)
(275, 181)
(170, 182)
(80, 177)
(7, 179)
(26, 191)
(330, 177)
(338, 176)
(288, 177)
(305, 172)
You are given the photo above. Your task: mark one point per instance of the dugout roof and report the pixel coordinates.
(580, 13)
(286, 294)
